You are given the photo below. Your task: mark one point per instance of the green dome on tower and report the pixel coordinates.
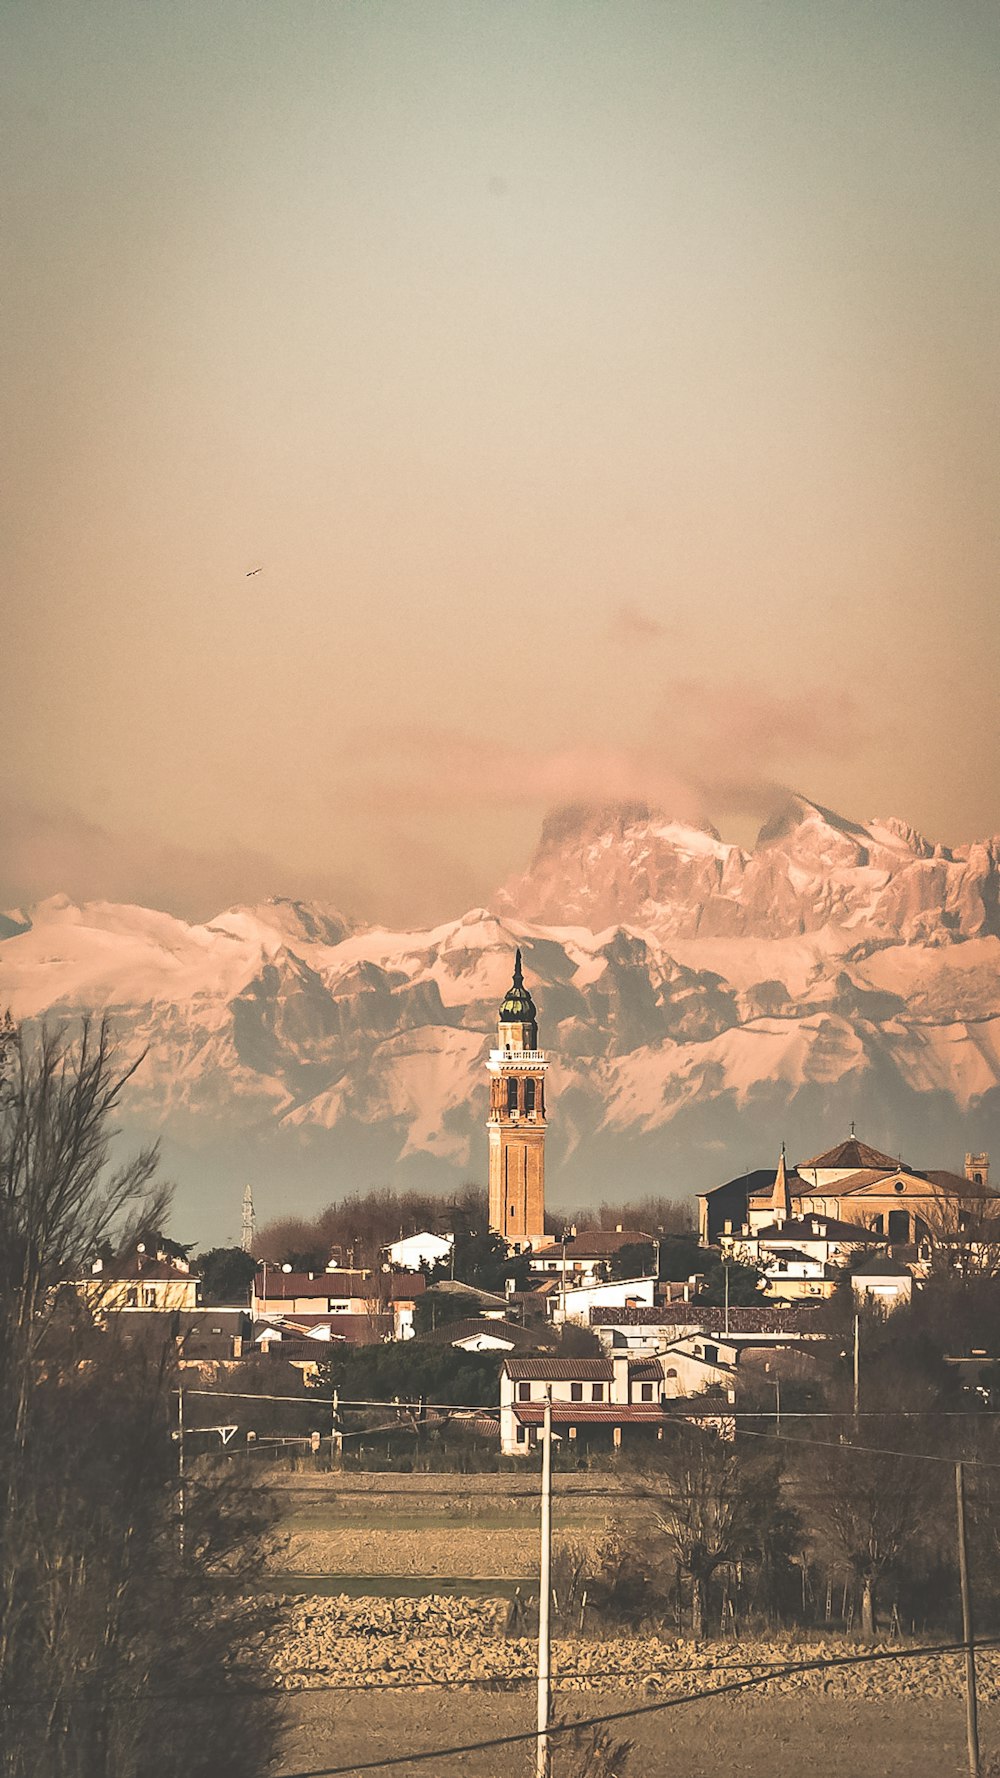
(517, 1006)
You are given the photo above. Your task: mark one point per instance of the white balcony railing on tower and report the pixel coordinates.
(520, 1058)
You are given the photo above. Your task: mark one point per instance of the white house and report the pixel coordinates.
(574, 1302)
(882, 1280)
(415, 1251)
(586, 1256)
(609, 1394)
(145, 1279)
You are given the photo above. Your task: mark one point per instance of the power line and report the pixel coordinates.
(706, 1410)
(588, 1722)
(829, 1444)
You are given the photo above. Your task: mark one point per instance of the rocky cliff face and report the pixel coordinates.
(699, 1002)
(809, 869)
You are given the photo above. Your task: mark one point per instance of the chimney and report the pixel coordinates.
(727, 1228)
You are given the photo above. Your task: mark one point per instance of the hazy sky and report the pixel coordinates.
(607, 392)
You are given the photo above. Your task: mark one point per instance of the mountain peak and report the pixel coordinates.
(798, 812)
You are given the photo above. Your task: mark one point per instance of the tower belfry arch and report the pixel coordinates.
(517, 1119)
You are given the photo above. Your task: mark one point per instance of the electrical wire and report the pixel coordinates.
(829, 1444)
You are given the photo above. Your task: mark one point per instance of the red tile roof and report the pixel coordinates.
(595, 1244)
(560, 1370)
(852, 1153)
(577, 1413)
(800, 1228)
(144, 1265)
(766, 1319)
(281, 1284)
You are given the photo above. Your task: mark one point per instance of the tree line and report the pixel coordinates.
(791, 1508)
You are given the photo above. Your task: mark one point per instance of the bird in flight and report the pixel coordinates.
(252, 571)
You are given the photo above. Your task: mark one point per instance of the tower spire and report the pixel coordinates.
(516, 1122)
(781, 1203)
(247, 1242)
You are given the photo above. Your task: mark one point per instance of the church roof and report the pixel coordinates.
(517, 1006)
(854, 1154)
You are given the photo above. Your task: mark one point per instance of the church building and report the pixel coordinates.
(516, 1122)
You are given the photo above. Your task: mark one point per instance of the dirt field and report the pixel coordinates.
(814, 1737)
(378, 1677)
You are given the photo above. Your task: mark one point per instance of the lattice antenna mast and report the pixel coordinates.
(247, 1242)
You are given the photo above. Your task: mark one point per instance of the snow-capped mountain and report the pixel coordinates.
(699, 1002)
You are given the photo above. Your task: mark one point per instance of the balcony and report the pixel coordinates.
(518, 1059)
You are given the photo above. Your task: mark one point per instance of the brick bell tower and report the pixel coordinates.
(516, 1123)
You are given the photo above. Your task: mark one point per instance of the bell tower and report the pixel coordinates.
(516, 1124)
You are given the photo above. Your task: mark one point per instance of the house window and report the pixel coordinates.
(529, 1094)
(597, 1391)
(645, 1392)
(711, 1354)
(148, 1296)
(899, 1225)
(521, 1435)
(671, 1372)
(576, 1392)
(512, 1093)
(132, 1297)
(524, 1392)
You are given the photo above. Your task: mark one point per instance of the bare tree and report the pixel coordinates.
(116, 1649)
(718, 1502)
(964, 1236)
(871, 1498)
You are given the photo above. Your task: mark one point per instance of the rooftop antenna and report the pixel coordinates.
(247, 1241)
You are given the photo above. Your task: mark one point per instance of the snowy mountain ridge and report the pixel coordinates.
(699, 1002)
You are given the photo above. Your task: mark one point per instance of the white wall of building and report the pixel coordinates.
(415, 1251)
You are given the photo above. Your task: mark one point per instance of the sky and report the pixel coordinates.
(605, 392)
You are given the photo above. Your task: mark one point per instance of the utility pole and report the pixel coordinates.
(544, 1594)
(180, 1469)
(971, 1708)
(725, 1264)
(857, 1360)
(777, 1407)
